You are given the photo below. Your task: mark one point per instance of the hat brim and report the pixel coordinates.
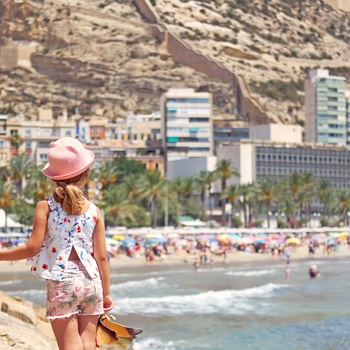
(47, 171)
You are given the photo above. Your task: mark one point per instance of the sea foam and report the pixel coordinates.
(210, 302)
(251, 273)
(147, 283)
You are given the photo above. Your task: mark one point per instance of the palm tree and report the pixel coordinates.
(6, 199)
(309, 190)
(267, 191)
(295, 186)
(231, 193)
(185, 188)
(201, 186)
(324, 193)
(130, 186)
(39, 186)
(344, 204)
(209, 178)
(107, 175)
(287, 208)
(15, 143)
(246, 191)
(225, 171)
(116, 203)
(19, 168)
(153, 187)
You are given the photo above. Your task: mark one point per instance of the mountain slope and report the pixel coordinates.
(102, 57)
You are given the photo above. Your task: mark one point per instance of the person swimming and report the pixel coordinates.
(313, 271)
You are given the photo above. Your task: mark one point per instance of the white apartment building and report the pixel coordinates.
(186, 124)
(325, 108)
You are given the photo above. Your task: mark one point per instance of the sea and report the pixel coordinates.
(240, 305)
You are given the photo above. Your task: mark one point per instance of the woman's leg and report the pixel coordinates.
(67, 335)
(87, 330)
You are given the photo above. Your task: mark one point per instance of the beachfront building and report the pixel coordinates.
(347, 96)
(325, 108)
(227, 130)
(186, 124)
(33, 134)
(256, 160)
(276, 133)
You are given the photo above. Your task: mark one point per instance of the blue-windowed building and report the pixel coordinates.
(325, 108)
(186, 124)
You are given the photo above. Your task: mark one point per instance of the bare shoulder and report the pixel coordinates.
(43, 206)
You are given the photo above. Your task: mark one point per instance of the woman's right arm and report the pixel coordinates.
(36, 239)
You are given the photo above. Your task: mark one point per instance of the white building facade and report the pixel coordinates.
(186, 124)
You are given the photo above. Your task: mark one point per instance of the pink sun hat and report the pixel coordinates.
(67, 158)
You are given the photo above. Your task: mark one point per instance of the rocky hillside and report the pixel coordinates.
(101, 56)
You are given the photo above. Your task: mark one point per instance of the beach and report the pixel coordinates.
(123, 261)
(245, 300)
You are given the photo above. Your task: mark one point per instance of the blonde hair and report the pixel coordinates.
(69, 194)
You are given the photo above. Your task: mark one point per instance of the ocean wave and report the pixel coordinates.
(210, 302)
(11, 283)
(35, 295)
(155, 344)
(150, 273)
(251, 273)
(147, 283)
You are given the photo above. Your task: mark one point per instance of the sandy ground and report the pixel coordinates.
(123, 261)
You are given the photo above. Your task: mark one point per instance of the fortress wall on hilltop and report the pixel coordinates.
(158, 32)
(247, 105)
(146, 9)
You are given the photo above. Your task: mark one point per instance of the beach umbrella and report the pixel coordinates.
(236, 236)
(333, 234)
(223, 237)
(204, 236)
(112, 242)
(118, 237)
(173, 235)
(273, 243)
(331, 242)
(128, 240)
(156, 240)
(154, 235)
(343, 235)
(293, 240)
(246, 240)
(260, 241)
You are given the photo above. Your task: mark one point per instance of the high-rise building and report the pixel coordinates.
(325, 108)
(186, 124)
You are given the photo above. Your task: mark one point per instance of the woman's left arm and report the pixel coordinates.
(35, 241)
(100, 255)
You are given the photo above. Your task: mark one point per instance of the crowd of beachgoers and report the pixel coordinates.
(205, 248)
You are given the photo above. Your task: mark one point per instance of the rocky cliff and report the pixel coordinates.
(22, 326)
(103, 57)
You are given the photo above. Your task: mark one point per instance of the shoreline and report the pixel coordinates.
(123, 262)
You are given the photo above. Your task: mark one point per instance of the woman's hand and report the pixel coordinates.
(108, 303)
